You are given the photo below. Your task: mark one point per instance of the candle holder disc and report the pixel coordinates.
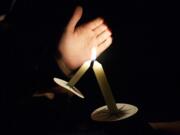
(102, 114)
(64, 85)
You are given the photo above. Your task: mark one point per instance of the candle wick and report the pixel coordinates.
(92, 63)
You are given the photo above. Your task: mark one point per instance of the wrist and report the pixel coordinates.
(64, 68)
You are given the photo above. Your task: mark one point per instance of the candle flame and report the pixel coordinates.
(93, 55)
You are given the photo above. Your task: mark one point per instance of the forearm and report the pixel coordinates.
(173, 127)
(62, 66)
(2, 17)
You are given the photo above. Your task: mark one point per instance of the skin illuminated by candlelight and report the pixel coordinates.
(2, 17)
(77, 41)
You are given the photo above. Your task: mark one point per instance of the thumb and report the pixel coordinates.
(74, 19)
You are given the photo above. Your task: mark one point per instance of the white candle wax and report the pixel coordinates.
(79, 73)
(105, 87)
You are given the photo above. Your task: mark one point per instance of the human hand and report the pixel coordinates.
(171, 127)
(51, 93)
(76, 43)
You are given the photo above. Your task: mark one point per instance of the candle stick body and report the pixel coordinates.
(105, 87)
(79, 73)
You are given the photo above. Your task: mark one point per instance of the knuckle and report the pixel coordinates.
(104, 26)
(108, 32)
(100, 19)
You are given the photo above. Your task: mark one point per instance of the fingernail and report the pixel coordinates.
(101, 19)
(110, 30)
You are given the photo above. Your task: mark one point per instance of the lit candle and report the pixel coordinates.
(104, 86)
(79, 73)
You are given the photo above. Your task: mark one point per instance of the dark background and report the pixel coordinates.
(141, 65)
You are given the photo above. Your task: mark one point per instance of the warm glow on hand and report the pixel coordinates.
(75, 46)
(93, 54)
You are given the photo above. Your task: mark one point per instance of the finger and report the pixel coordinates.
(103, 36)
(74, 19)
(102, 47)
(94, 23)
(100, 29)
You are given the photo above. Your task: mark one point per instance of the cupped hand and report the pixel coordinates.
(76, 43)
